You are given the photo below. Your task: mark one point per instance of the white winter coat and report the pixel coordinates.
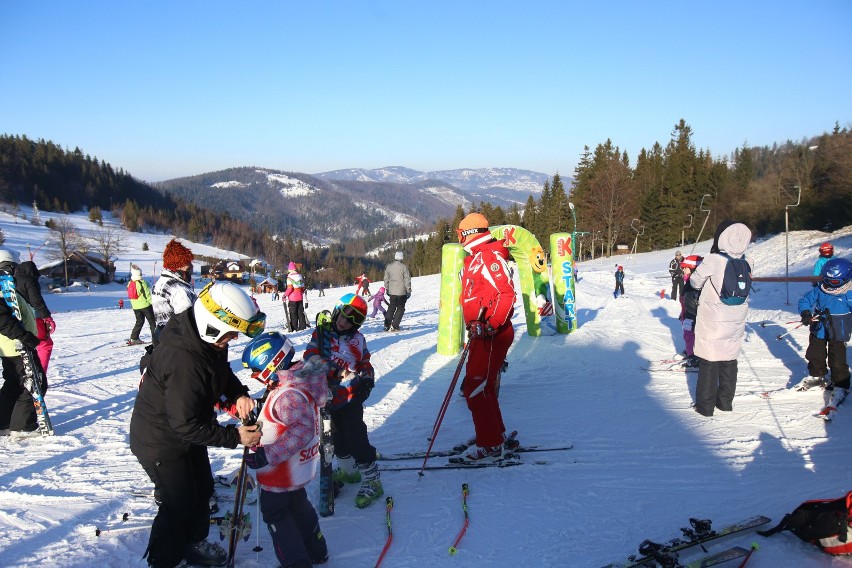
(719, 328)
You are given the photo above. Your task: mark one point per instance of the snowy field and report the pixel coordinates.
(643, 461)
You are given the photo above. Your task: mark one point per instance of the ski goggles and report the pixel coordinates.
(353, 314)
(464, 234)
(251, 327)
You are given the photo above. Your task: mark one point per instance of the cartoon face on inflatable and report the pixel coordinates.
(538, 261)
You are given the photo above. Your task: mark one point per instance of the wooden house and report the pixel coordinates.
(83, 267)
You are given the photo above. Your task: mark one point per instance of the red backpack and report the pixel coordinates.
(823, 522)
(132, 290)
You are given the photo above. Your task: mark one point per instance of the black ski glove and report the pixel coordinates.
(365, 386)
(807, 316)
(29, 340)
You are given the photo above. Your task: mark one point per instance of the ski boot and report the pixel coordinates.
(205, 553)
(371, 486)
(809, 383)
(347, 471)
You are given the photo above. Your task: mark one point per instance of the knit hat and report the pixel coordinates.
(176, 256)
(292, 266)
(691, 261)
(135, 273)
(398, 255)
(10, 256)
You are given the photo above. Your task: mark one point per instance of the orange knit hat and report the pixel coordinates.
(176, 256)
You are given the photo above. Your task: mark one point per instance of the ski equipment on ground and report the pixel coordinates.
(236, 525)
(719, 557)
(326, 447)
(33, 377)
(465, 491)
(448, 465)
(830, 409)
(700, 532)
(754, 547)
(455, 452)
(389, 502)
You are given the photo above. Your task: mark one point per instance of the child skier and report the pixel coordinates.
(619, 282)
(350, 380)
(828, 310)
(378, 298)
(689, 310)
(287, 460)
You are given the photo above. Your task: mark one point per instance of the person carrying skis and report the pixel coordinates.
(26, 283)
(287, 460)
(689, 310)
(398, 282)
(295, 295)
(173, 293)
(676, 273)
(487, 300)
(619, 281)
(350, 380)
(826, 253)
(17, 413)
(720, 330)
(139, 293)
(174, 421)
(378, 300)
(828, 310)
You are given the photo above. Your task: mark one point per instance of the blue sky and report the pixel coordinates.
(168, 89)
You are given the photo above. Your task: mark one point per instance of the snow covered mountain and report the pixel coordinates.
(642, 464)
(499, 186)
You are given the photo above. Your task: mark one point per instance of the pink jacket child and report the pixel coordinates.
(378, 298)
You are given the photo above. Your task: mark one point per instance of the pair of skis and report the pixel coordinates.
(512, 459)
(698, 533)
(830, 409)
(33, 374)
(326, 447)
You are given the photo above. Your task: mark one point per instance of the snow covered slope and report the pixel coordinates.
(643, 461)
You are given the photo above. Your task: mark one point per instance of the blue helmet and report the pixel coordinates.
(836, 273)
(267, 353)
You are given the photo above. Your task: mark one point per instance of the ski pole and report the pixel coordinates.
(751, 551)
(814, 319)
(389, 502)
(444, 406)
(463, 530)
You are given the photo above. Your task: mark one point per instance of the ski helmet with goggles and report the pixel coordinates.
(267, 353)
(471, 227)
(353, 308)
(223, 307)
(826, 249)
(836, 273)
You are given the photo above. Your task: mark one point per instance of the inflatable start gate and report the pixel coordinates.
(538, 289)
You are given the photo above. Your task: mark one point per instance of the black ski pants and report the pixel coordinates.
(396, 309)
(296, 314)
(677, 287)
(17, 412)
(293, 523)
(716, 386)
(143, 314)
(350, 433)
(185, 484)
(834, 352)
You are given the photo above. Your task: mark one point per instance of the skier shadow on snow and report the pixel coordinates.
(674, 326)
(586, 315)
(786, 350)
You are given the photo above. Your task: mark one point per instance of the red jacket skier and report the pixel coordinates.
(487, 299)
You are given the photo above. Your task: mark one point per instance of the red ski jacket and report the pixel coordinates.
(486, 282)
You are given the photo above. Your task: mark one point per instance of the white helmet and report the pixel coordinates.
(7, 255)
(398, 255)
(223, 307)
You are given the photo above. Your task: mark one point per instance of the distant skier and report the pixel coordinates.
(619, 281)
(285, 461)
(139, 293)
(350, 381)
(826, 253)
(720, 327)
(362, 285)
(828, 310)
(294, 293)
(676, 273)
(378, 299)
(487, 300)
(17, 413)
(398, 283)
